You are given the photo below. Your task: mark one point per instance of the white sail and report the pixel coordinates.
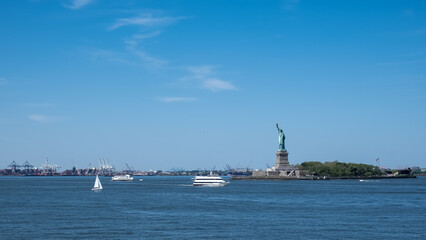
(98, 185)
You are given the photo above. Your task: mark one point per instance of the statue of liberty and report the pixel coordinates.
(281, 139)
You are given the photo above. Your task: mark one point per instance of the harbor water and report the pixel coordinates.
(171, 208)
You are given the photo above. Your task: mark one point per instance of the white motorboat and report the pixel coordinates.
(126, 177)
(98, 185)
(210, 181)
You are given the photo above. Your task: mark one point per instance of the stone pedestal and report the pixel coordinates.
(282, 160)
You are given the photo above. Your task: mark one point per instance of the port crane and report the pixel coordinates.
(105, 167)
(27, 166)
(49, 169)
(13, 167)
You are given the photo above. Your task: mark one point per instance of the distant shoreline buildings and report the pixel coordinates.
(106, 169)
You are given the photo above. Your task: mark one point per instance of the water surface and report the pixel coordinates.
(171, 208)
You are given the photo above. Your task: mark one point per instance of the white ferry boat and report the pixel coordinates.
(211, 181)
(126, 177)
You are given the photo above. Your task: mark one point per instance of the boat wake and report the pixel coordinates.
(185, 185)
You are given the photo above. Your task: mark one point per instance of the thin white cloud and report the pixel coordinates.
(215, 84)
(41, 118)
(76, 4)
(148, 61)
(111, 56)
(137, 38)
(135, 54)
(131, 56)
(144, 21)
(201, 72)
(176, 99)
(204, 75)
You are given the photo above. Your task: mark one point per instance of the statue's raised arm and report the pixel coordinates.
(277, 127)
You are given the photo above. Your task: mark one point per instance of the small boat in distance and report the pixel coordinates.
(98, 185)
(126, 177)
(209, 181)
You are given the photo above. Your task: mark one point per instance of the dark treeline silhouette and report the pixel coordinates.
(341, 169)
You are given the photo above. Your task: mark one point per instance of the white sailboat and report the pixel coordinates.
(98, 185)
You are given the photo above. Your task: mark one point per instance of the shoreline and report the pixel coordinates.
(242, 178)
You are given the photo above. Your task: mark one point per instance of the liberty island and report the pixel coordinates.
(282, 170)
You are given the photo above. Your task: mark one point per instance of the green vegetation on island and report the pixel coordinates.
(340, 169)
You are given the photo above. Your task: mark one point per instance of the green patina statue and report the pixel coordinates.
(281, 139)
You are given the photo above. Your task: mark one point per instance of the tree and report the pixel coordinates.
(341, 169)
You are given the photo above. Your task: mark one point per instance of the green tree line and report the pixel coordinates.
(340, 169)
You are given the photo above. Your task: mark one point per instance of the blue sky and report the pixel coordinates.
(198, 84)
